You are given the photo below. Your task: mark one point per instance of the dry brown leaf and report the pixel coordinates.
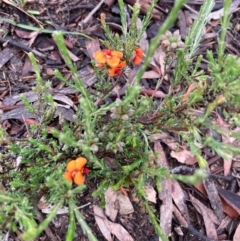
(144, 7)
(236, 236)
(189, 90)
(110, 2)
(229, 210)
(156, 94)
(110, 207)
(167, 139)
(65, 113)
(87, 75)
(150, 194)
(231, 203)
(27, 67)
(200, 187)
(32, 40)
(225, 222)
(165, 194)
(208, 217)
(6, 54)
(159, 60)
(201, 208)
(183, 25)
(219, 13)
(179, 216)
(215, 22)
(18, 113)
(161, 156)
(124, 203)
(178, 230)
(73, 57)
(69, 43)
(107, 227)
(47, 208)
(166, 207)
(235, 142)
(64, 99)
(100, 218)
(155, 67)
(55, 55)
(214, 198)
(151, 74)
(227, 164)
(184, 156)
(118, 230)
(25, 34)
(92, 46)
(179, 199)
(162, 62)
(143, 43)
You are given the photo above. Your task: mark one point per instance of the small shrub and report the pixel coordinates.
(55, 163)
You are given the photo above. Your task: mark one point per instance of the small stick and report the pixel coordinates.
(85, 205)
(197, 234)
(22, 46)
(190, 8)
(81, 24)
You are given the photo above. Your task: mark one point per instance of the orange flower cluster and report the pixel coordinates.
(75, 171)
(112, 60)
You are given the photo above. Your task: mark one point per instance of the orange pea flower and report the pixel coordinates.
(112, 58)
(138, 56)
(75, 171)
(118, 69)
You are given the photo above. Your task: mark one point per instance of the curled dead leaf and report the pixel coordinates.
(184, 156)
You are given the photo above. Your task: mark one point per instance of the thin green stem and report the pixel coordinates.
(224, 26)
(86, 229)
